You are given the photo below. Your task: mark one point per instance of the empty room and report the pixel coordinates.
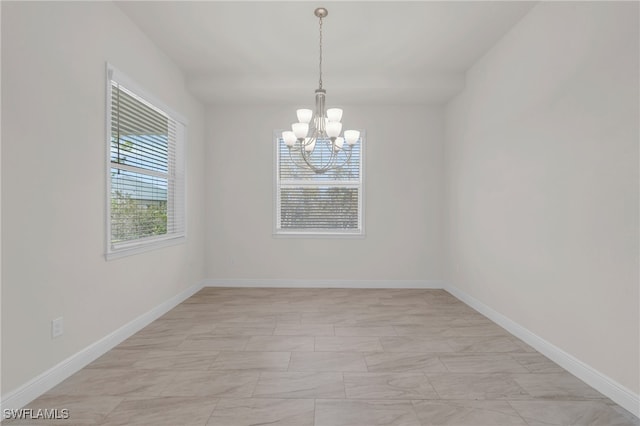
(320, 214)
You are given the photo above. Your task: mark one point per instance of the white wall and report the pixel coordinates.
(403, 198)
(53, 183)
(541, 182)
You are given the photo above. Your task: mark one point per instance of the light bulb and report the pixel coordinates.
(300, 130)
(304, 115)
(333, 128)
(351, 136)
(289, 138)
(334, 114)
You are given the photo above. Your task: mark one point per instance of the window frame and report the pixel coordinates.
(176, 174)
(316, 233)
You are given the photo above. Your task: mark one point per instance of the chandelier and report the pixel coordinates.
(314, 141)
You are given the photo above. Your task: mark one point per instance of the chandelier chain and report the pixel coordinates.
(320, 82)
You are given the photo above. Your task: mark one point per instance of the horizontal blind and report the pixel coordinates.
(146, 172)
(140, 133)
(322, 207)
(311, 203)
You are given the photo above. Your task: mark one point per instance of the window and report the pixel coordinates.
(329, 204)
(145, 171)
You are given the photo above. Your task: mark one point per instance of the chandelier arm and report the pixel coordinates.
(331, 164)
(348, 153)
(320, 62)
(316, 133)
(297, 164)
(335, 163)
(306, 155)
(328, 165)
(325, 166)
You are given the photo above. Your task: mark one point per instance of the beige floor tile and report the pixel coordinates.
(226, 319)
(326, 357)
(118, 358)
(633, 420)
(211, 342)
(421, 330)
(467, 413)
(477, 318)
(539, 413)
(298, 329)
(429, 320)
(174, 328)
(484, 344)
(330, 317)
(364, 413)
(377, 319)
(399, 362)
(476, 386)
(522, 345)
(169, 411)
(175, 360)
(537, 363)
(280, 343)
(482, 363)
(290, 317)
(255, 411)
(366, 331)
(178, 313)
(256, 361)
(348, 344)
(556, 385)
(475, 330)
(327, 361)
(116, 382)
(388, 386)
(141, 342)
(415, 344)
(300, 385)
(224, 384)
(242, 331)
(406, 301)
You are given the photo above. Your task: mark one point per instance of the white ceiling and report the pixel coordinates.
(374, 52)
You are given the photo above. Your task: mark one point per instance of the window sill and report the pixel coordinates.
(313, 235)
(143, 247)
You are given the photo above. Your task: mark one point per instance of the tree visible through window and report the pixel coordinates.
(318, 204)
(146, 174)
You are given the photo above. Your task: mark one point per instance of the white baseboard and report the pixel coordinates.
(602, 383)
(426, 284)
(26, 393)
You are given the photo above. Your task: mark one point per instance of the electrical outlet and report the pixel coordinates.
(57, 327)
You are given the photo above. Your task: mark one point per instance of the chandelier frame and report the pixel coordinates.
(321, 126)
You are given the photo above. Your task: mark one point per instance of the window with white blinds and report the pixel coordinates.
(145, 172)
(329, 204)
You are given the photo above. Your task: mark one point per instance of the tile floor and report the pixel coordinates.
(326, 357)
